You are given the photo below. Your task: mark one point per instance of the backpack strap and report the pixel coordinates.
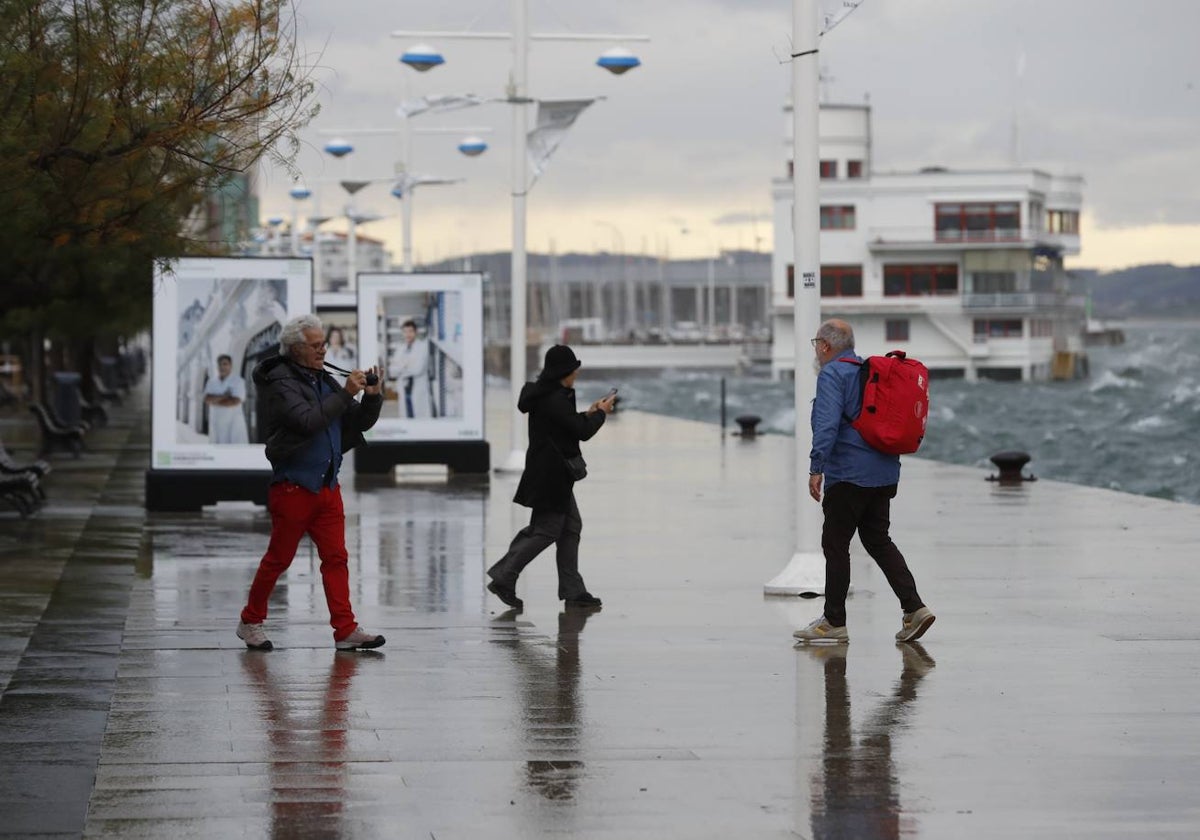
(863, 374)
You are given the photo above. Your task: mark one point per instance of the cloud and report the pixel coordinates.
(698, 131)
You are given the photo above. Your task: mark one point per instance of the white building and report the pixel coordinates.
(962, 269)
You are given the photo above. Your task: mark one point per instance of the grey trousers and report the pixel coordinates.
(544, 528)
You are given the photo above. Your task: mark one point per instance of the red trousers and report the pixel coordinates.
(295, 512)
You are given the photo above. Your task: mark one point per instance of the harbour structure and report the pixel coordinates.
(961, 268)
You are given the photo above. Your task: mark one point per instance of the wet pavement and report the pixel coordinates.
(1054, 697)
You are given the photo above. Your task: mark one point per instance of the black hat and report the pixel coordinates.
(560, 360)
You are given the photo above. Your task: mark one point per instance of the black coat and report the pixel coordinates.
(294, 414)
(555, 430)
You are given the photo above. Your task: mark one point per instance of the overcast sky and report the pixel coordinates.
(691, 140)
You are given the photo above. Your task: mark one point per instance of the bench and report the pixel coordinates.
(22, 492)
(9, 465)
(7, 396)
(104, 393)
(94, 414)
(55, 436)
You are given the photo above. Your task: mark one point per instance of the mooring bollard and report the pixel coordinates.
(1010, 463)
(748, 423)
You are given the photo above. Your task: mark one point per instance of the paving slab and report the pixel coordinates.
(1054, 697)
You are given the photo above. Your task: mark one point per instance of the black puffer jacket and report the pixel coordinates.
(294, 414)
(553, 422)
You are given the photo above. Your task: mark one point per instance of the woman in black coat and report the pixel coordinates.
(547, 485)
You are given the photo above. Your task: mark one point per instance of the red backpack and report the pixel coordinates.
(895, 402)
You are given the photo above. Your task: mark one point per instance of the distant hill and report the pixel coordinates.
(1144, 291)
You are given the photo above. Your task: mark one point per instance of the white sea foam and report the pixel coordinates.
(1146, 424)
(1109, 380)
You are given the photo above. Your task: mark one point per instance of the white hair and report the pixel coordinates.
(838, 333)
(293, 332)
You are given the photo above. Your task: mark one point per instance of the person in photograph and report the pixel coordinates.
(548, 485)
(340, 353)
(412, 373)
(224, 395)
(311, 420)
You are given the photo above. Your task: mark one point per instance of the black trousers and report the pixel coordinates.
(546, 527)
(849, 508)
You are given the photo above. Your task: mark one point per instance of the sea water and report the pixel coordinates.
(1132, 425)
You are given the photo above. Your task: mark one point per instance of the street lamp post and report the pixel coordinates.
(630, 302)
(298, 193)
(616, 62)
(805, 572)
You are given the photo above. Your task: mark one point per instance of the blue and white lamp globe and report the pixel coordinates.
(618, 60)
(275, 221)
(422, 57)
(339, 147)
(300, 192)
(472, 146)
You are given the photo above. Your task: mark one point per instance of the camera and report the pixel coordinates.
(372, 380)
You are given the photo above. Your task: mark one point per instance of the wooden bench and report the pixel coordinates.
(104, 393)
(8, 396)
(22, 492)
(9, 465)
(93, 413)
(55, 436)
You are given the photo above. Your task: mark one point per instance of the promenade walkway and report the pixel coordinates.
(1055, 697)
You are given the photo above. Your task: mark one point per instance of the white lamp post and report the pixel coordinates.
(805, 572)
(298, 193)
(517, 95)
(341, 150)
(405, 182)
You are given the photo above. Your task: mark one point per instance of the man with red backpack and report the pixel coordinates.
(859, 483)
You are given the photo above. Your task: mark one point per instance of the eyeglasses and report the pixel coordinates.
(317, 346)
(813, 341)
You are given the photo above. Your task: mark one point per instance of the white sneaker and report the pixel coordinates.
(914, 624)
(254, 636)
(360, 639)
(821, 631)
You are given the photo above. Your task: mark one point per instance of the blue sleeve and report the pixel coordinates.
(826, 419)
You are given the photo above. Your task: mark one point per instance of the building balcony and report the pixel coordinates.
(925, 237)
(1020, 301)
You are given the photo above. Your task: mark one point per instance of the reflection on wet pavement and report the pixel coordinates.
(131, 710)
(855, 789)
(305, 725)
(550, 701)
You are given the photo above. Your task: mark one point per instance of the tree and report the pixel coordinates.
(116, 118)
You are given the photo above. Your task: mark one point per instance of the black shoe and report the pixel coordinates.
(506, 593)
(587, 599)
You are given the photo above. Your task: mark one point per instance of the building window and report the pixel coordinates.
(837, 217)
(896, 330)
(977, 222)
(854, 169)
(841, 281)
(829, 169)
(920, 280)
(994, 282)
(986, 328)
(1062, 221)
(1041, 328)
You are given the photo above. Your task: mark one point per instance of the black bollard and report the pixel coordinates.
(748, 423)
(1010, 463)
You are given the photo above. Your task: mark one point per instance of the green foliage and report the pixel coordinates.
(116, 118)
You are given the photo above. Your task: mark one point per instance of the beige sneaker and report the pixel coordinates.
(914, 624)
(360, 639)
(254, 636)
(821, 631)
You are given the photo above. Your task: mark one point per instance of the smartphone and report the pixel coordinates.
(610, 394)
